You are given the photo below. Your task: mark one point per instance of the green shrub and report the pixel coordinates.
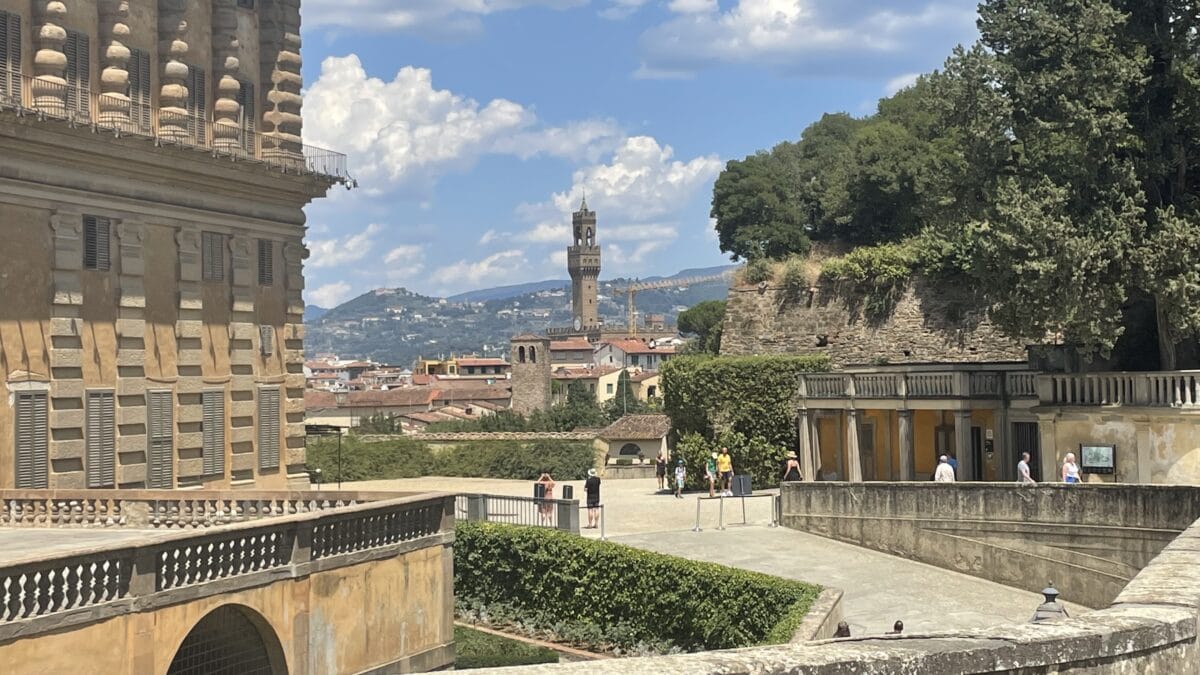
(402, 457)
(757, 271)
(880, 273)
(607, 594)
(476, 649)
(795, 276)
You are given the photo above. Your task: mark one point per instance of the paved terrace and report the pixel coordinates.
(879, 588)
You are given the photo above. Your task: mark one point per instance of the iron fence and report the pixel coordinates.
(558, 514)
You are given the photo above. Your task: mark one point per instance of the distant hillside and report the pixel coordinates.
(503, 292)
(312, 313)
(395, 325)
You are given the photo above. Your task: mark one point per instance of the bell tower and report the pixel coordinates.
(583, 263)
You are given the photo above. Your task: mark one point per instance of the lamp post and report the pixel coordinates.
(341, 397)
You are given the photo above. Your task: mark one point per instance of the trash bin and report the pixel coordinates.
(741, 486)
(539, 490)
(568, 492)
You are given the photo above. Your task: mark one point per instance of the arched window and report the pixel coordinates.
(589, 236)
(533, 354)
(230, 640)
(520, 355)
(631, 449)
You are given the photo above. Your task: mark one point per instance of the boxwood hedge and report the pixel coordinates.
(548, 579)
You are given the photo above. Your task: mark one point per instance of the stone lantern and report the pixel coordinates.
(1051, 610)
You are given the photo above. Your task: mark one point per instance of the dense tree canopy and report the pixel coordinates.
(704, 321)
(1051, 166)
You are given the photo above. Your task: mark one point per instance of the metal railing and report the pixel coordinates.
(556, 514)
(123, 116)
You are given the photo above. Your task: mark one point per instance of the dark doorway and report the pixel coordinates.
(976, 454)
(1026, 438)
(226, 642)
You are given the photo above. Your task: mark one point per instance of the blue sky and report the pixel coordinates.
(475, 126)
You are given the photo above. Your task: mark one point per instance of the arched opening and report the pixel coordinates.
(230, 640)
(631, 449)
(520, 355)
(533, 354)
(589, 237)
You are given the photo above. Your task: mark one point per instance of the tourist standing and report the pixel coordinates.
(1023, 475)
(546, 506)
(680, 477)
(944, 474)
(660, 470)
(1070, 470)
(591, 487)
(725, 471)
(791, 468)
(953, 462)
(710, 473)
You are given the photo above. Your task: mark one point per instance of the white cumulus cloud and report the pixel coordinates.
(404, 253)
(500, 267)
(342, 250)
(900, 82)
(818, 37)
(329, 295)
(407, 134)
(448, 17)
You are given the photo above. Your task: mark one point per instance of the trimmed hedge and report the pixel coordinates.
(476, 649)
(550, 580)
(402, 457)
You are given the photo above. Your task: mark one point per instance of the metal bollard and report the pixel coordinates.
(601, 522)
(697, 527)
(721, 516)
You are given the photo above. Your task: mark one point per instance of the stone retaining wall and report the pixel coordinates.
(1151, 627)
(1088, 539)
(930, 323)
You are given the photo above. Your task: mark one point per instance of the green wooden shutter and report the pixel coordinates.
(77, 49)
(197, 105)
(268, 429)
(212, 256)
(32, 447)
(160, 417)
(10, 58)
(97, 237)
(214, 432)
(249, 121)
(101, 440)
(139, 90)
(266, 262)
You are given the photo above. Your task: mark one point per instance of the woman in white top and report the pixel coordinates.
(1070, 470)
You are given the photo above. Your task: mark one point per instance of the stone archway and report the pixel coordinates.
(230, 640)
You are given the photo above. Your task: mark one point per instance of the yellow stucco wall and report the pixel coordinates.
(1152, 447)
(345, 620)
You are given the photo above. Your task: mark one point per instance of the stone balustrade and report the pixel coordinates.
(1164, 389)
(921, 384)
(228, 537)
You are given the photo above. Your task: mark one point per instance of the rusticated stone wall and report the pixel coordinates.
(930, 323)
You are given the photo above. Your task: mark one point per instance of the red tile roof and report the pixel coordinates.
(572, 345)
(475, 362)
(471, 394)
(635, 346)
(393, 398)
(583, 373)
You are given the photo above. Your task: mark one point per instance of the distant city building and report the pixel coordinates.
(632, 353)
(583, 263)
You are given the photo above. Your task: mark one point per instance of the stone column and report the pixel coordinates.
(962, 445)
(907, 453)
(815, 429)
(113, 104)
(1050, 460)
(282, 123)
(226, 109)
(189, 332)
(172, 50)
(853, 453)
(807, 469)
(244, 350)
(294, 255)
(49, 87)
(1002, 445)
(66, 356)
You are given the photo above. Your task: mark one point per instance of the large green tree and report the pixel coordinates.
(757, 216)
(705, 320)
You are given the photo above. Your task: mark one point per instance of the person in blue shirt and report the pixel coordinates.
(953, 464)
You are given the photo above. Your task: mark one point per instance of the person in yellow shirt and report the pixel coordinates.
(725, 471)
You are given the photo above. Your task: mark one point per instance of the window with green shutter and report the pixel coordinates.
(212, 256)
(139, 91)
(268, 428)
(266, 262)
(197, 105)
(160, 414)
(213, 435)
(31, 439)
(97, 237)
(10, 58)
(101, 440)
(78, 74)
(249, 113)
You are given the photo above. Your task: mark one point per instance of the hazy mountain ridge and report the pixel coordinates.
(397, 325)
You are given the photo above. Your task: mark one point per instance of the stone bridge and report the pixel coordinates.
(252, 582)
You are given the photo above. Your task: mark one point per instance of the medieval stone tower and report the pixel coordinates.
(583, 262)
(531, 374)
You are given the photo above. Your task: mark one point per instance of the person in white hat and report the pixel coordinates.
(592, 489)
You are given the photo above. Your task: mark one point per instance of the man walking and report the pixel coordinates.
(725, 471)
(944, 474)
(710, 473)
(680, 479)
(591, 488)
(1023, 475)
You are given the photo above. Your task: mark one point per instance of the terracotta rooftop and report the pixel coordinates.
(583, 373)
(426, 417)
(572, 345)
(471, 394)
(316, 400)
(475, 361)
(637, 428)
(643, 376)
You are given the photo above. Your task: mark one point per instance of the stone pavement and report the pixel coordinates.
(879, 588)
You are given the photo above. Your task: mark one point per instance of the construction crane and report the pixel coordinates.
(633, 289)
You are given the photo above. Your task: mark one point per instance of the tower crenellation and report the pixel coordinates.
(583, 263)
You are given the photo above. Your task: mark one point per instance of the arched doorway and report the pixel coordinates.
(230, 640)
